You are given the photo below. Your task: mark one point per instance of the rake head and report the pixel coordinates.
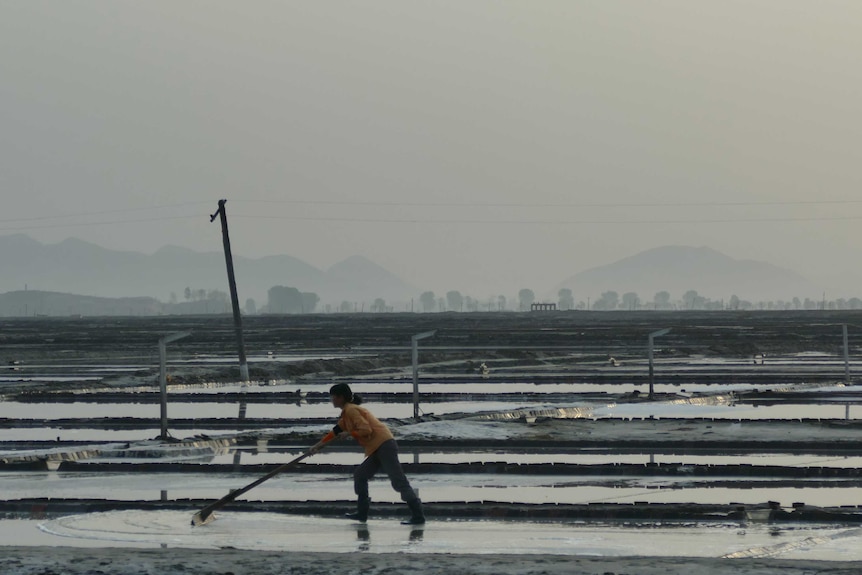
(202, 518)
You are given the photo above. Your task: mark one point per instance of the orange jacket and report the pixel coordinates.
(368, 431)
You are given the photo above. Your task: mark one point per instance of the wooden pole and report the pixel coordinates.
(234, 299)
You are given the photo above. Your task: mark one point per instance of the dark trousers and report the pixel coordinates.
(385, 458)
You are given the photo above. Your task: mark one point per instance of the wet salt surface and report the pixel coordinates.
(101, 436)
(278, 456)
(580, 458)
(737, 412)
(265, 358)
(269, 531)
(48, 378)
(436, 385)
(230, 410)
(433, 488)
(294, 411)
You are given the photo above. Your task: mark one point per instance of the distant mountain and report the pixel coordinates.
(368, 277)
(75, 266)
(677, 269)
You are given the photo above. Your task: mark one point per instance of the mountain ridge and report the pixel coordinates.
(677, 269)
(77, 266)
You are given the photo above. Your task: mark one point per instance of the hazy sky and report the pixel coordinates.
(460, 144)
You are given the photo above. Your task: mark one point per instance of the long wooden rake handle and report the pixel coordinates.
(205, 515)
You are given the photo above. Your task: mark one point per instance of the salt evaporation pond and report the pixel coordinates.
(433, 488)
(408, 455)
(276, 532)
(320, 410)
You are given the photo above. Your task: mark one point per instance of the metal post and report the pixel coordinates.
(846, 356)
(163, 388)
(234, 299)
(651, 375)
(415, 341)
(650, 338)
(163, 378)
(415, 379)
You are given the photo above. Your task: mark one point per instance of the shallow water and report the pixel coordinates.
(96, 436)
(269, 531)
(578, 458)
(230, 410)
(433, 488)
(294, 411)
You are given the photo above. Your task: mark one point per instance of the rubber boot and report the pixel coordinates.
(362, 506)
(417, 517)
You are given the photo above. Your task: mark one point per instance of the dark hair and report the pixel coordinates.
(343, 390)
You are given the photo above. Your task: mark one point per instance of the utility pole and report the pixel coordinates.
(237, 317)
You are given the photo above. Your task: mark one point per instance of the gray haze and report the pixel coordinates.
(495, 111)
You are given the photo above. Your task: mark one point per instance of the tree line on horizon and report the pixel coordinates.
(429, 302)
(290, 300)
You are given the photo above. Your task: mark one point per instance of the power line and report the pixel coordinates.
(102, 223)
(547, 222)
(549, 205)
(102, 213)
(382, 220)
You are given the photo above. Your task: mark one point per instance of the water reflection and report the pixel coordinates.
(363, 536)
(417, 534)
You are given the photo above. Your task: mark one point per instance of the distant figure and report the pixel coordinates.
(484, 370)
(613, 361)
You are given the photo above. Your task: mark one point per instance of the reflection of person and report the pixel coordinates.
(364, 538)
(381, 452)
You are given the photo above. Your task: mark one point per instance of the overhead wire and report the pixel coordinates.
(544, 222)
(541, 221)
(376, 203)
(58, 225)
(27, 223)
(102, 212)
